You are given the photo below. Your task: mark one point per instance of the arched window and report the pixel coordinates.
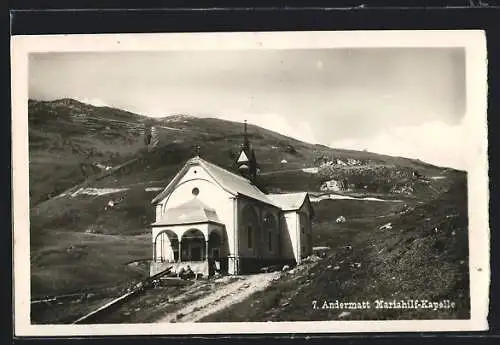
(250, 236)
(250, 227)
(270, 225)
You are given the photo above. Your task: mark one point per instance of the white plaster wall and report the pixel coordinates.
(286, 247)
(290, 247)
(158, 211)
(164, 251)
(224, 249)
(211, 193)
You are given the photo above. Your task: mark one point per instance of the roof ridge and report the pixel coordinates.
(226, 179)
(226, 170)
(289, 201)
(255, 188)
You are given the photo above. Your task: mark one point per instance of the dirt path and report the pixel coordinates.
(221, 298)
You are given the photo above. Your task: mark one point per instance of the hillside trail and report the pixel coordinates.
(221, 298)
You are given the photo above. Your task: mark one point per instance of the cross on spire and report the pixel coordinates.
(246, 142)
(247, 163)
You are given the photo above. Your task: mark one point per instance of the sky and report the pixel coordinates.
(400, 101)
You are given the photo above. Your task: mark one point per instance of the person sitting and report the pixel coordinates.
(180, 272)
(189, 273)
(186, 273)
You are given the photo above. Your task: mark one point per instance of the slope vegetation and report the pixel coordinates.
(92, 177)
(423, 255)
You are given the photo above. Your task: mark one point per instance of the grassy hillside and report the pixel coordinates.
(67, 140)
(79, 243)
(67, 137)
(423, 256)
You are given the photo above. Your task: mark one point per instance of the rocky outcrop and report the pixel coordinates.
(333, 186)
(377, 178)
(405, 188)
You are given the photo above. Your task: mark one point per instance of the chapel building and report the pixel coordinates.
(211, 218)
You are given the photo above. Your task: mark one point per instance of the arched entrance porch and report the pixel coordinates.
(193, 246)
(202, 247)
(166, 246)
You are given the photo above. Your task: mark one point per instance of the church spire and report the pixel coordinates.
(247, 163)
(246, 142)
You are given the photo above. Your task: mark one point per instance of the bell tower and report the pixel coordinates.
(247, 163)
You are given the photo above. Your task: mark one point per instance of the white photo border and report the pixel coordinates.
(474, 43)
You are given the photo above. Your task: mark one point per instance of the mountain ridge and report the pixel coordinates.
(93, 175)
(103, 138)
(177, 117)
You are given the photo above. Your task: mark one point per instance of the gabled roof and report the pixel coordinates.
(193, 211)
(231, 182)
(289, 201)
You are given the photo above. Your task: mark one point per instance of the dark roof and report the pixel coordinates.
(229, 181)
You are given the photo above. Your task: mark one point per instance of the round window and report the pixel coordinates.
(195, 191)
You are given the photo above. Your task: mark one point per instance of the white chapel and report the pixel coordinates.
(211, 218)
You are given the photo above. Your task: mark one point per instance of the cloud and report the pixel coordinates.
(96, 102)
(432, 142)
(300, 130)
